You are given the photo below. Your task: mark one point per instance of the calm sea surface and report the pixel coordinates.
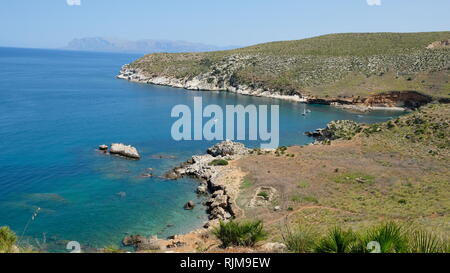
(56, 107)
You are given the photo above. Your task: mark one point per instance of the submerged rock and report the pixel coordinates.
(189, 205)
(124, 150)
(142, 243)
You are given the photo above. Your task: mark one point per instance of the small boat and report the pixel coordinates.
(306, 111)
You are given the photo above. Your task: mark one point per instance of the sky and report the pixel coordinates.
(53, 23)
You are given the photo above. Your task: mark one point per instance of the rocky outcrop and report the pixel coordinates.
(141, 243)
(220, 205)
(124, 150)
(439, 44)
(228, 148)
(339, 129)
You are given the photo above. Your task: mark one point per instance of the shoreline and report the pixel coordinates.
(198, 84)
(221, 185)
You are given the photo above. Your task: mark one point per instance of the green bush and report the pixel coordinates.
(7, 239)
(246, 233)
(219, 162)
(264, 195)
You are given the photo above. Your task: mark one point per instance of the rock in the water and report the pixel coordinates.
(124, 150)
(103, 147)
(122, 194)
(189, 205)
(133, 240)
(172, 175)
(226, 148)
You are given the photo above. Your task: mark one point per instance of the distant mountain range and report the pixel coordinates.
(140, 46)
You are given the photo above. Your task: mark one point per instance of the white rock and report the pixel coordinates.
(124, 150)
(274, 247)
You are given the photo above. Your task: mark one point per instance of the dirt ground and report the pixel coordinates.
(352, 183)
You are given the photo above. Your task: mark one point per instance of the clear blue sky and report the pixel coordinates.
(53, 23)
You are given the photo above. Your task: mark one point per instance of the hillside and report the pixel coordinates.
(345, 68)
(393, 171)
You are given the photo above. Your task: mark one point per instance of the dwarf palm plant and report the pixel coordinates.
(246, 233)
(421, 241)
(337, 241)
(391, 237)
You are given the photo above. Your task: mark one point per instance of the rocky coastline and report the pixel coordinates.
(209, 169)
(392, 101)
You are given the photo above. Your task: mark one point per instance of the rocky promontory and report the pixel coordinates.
(209, 168)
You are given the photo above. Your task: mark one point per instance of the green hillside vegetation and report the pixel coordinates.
(337, 65)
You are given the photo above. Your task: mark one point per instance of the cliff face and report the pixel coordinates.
(348, 69)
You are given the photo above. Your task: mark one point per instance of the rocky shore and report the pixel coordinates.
(203, 83)
(209, 169)
(393, 101)
(215, 181)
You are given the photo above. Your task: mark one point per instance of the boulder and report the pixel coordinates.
(103, 147)
(189, 205)
(274, 247)
(124, 150)
(227, 148)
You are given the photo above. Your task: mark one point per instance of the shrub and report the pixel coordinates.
(302, 240)
(337, 241)
(246, 233)
(219, 162)
(7, 239)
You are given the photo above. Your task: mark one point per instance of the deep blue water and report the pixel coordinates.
(56, 107)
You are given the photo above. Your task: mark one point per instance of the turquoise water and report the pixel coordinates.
(56, 107)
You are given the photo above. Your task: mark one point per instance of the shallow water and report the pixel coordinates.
(56, 107)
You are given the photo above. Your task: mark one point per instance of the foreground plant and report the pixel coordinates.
(337, 241)
(391, 237)
(301, 240)
(246, 233)
(7, 240)
(421, 241)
